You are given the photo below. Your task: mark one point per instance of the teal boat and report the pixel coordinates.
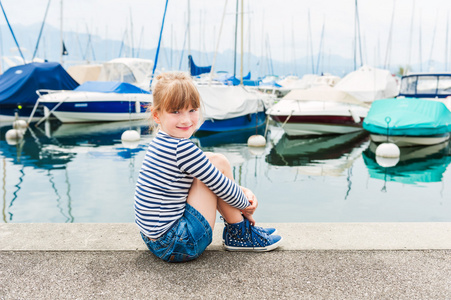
(408, 121)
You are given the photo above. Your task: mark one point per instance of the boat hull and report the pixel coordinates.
(317, 125)
(97, 107)
(238, 123)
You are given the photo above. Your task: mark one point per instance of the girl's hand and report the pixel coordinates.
(249, 211)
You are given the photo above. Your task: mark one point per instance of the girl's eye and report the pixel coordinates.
(175, 112)
(193, 110)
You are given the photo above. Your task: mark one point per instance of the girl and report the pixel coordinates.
(180, 187)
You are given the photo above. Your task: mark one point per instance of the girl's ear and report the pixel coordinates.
(155, 116)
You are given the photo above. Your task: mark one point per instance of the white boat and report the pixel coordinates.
(319, 111)
(136, 71)
(368, 84)
(228, 108)
(96, 101)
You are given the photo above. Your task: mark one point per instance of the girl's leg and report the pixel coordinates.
(206, 202)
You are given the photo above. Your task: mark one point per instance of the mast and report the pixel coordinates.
(311, 42)
(217, 43)
(242, 42)
(320, 47)
(446, 42)
(159, 43)
(410, 39)
(433, 41)
(293, 49)
(420, 43)
(61, 34)
(236, 35)
(131, 33)
(357, 36)
(388, 53)
(189, 28)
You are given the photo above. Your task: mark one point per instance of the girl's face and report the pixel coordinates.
(179, 124)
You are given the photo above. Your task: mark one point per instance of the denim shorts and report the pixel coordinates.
(186, 239)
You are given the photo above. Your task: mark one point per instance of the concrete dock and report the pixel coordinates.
(316, 261)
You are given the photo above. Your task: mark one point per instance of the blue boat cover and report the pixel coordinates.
(110, 87)
(232, 80)
(408, 117)
(18, 84)
(195, 70)
(271, 83)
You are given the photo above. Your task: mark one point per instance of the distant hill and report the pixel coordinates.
(83, 49)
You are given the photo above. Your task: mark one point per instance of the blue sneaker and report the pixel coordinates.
(243, 236)
(268, 231)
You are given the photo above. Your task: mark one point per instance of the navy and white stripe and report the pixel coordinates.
(166, 175)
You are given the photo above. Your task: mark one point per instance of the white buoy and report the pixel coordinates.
(19, 124)
(130, 136)
(13, 136)
(387, 155)
(256, 141)
(388, 150)
(130, 139)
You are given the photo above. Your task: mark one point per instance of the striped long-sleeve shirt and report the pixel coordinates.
(166, 175)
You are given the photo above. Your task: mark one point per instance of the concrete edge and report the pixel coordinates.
(297, 236)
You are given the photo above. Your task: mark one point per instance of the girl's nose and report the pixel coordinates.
(185, 117)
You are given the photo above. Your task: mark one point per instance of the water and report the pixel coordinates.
(83, 173)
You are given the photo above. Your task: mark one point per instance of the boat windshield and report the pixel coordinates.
(426, 86)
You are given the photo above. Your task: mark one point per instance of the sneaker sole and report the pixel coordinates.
(255, 249)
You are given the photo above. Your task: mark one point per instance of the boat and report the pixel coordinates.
(136, 71)
(97, 101)
(318, 110)
(408, 122)
(368, 84)
(230, 108)
(419, 115)
(18, 87)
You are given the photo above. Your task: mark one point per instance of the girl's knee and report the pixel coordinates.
(218, 160)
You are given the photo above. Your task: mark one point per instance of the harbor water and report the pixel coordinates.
(75, 173)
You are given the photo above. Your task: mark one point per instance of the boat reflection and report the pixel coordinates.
(203, 139)
(321, 155)
(52, 148)
(415, 165)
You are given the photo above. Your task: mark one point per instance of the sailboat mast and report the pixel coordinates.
(388, 52)
(189, 29)
(433, 41)
(446, 42)
(242, 41)
(410, 39)
(311, 42)
(61, 33)
(236, 34)
(320, 47)
(420, 48)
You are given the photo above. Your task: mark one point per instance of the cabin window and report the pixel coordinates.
(408, 85)
(427, 85)
(444, 85)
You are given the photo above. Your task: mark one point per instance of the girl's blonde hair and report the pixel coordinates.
(174, 91)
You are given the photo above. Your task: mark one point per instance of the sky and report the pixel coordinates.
(392, 32)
